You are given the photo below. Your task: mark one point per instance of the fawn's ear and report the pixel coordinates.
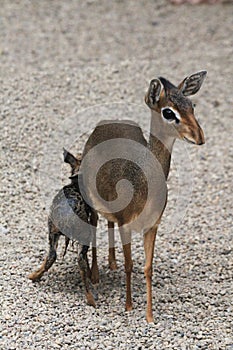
(79, 158)
(70, 159)
(192, 84)
(153, 94)
(74, 177)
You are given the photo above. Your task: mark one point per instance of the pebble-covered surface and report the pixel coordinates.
(64, 65)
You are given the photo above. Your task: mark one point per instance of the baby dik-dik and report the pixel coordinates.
(69, 216)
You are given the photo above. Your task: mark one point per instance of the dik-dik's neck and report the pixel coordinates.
(160, 143)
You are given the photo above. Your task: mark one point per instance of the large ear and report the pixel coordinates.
(70, 159)
(153, 94)
(190, 85)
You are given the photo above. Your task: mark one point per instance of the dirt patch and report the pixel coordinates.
(56, 60)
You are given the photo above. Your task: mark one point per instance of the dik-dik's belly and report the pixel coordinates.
(134, 207)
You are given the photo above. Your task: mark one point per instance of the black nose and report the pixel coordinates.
(202, 142)
(201, 137)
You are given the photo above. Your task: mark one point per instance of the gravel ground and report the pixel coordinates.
(64, 66)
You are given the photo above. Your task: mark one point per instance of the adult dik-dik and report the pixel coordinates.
(128, 185)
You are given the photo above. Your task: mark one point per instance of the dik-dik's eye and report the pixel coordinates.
(170, 115)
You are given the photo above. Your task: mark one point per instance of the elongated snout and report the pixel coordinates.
(193, 133)
(200, 140)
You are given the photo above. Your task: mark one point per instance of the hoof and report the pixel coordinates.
(129, 307)
(90, 300)
(95, 279)
(150, 319)
(113, 266)
(34, 276)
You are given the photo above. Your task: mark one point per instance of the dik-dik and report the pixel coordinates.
(69, 216)
(114, 145)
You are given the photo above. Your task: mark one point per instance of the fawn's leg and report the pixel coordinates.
(88, 268)
(49, 260)
(126, 242)
(82, 262)
(149, 242)
(94, 266)
(111, 244)
(67, 241)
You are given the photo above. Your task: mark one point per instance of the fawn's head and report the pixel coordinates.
(176, 111)
(74, 162)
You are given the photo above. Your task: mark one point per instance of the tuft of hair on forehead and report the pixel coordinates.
(167, 84)
(179, 101)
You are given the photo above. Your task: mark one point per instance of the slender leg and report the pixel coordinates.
(49, 260)
(111, 244)
(67, 241)
(126, 242)
(94, 266)
(149, 242)
(82, 262)
(88, 268)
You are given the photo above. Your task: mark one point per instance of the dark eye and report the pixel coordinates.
(169, 115)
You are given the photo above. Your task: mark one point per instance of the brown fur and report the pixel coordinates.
(161, 94)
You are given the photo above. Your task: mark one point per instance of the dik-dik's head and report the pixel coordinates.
(74, 162)
(176, 111)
